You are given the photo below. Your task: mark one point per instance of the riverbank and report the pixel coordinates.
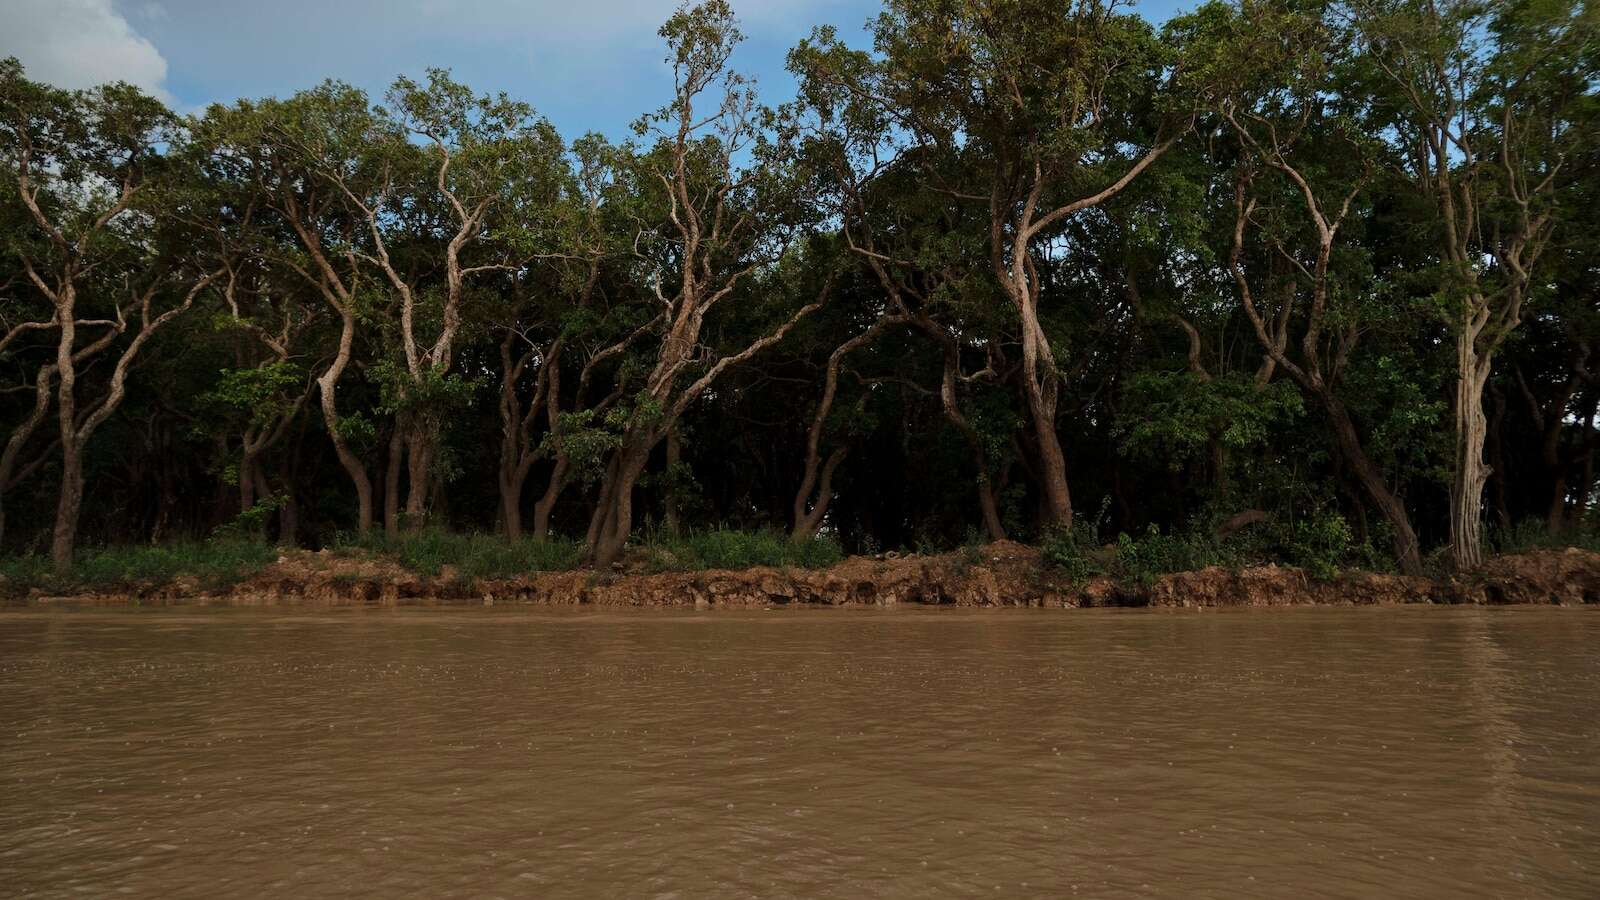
(994, 575)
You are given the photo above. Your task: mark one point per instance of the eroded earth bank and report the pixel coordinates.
(998, 574)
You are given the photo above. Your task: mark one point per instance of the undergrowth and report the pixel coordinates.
(1321, 544)
(215, 564)
(1534, 534)
(429, 550)
(727, 548)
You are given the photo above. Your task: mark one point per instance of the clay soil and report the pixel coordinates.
(999, 574)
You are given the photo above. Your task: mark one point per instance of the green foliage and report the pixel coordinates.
(251, 521)
(1147, 558)
(433, 394)
(429, 550)
(1320, 543)
(261, 395)
(1073, 553)
(1534, 534)
(587, 446)
(726, 548)
(357, 429)
(1175, 415)
(214, 564)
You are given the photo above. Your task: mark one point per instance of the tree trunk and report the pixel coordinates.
(808, 522)
(990, 506)
(547, 503)
(614, 516)
(247, 483)
(391, 482)
(419, 480)
(1406, 551)
(510, 504)
(69, 505)
(1040, 387)
(1470, 474)
(670, 501)
(328, 386)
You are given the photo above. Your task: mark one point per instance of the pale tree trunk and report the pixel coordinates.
(70, 499)
(338, 294)
(1469, 473)
(1015, 223)
(1040, 385)
(75, 434)
(815, 494)
(328, 386)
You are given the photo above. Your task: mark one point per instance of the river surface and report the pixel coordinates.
(1414, 752)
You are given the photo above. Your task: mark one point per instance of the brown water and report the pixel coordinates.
(1297, 753)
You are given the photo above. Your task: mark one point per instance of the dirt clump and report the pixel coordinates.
(1004, 573)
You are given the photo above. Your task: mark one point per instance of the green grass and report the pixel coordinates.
(1532, 534)
(726, 548)
(216, 563)
(427, 552)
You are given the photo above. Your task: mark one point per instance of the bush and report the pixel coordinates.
(216, 563)
(1071, 552)
(1319, 544)
(1534, 534)
(473, 555)
(726, 548)
(1148, 558)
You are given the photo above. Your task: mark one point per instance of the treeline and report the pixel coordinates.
(1026, 267)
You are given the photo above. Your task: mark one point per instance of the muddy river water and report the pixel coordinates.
(481, 753)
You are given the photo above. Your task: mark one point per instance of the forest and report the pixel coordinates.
(1307, 278)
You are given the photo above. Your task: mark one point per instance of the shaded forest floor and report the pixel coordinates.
(998, 574)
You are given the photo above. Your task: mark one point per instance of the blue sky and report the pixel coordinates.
(586, 64)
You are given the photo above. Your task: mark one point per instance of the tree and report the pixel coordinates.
(1481, 102)
(721, 221)
(1285, 126)
(85, 164)
(1054, 101)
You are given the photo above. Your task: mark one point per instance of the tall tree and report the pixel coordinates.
(87, 166)
(1481, 100)
(727, 209)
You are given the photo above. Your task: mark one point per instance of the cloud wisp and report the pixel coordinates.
(79, 44)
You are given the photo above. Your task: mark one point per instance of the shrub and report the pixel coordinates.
(216, 563)
(1070, 552)
(727, 548)
(1148, 558)
(1534, 534)
(429, 550)
(1319, 544)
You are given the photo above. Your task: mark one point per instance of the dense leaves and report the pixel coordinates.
(1305, 281)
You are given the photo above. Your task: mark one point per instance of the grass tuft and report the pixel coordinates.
(428, 551)
(216, 564)
(726, 548)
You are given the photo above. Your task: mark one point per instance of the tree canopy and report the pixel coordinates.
(1274, 271)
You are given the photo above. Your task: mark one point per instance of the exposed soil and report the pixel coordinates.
(1002, 574)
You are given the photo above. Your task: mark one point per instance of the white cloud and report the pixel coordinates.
(80, 43)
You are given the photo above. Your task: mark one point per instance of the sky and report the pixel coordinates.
(588, 65)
